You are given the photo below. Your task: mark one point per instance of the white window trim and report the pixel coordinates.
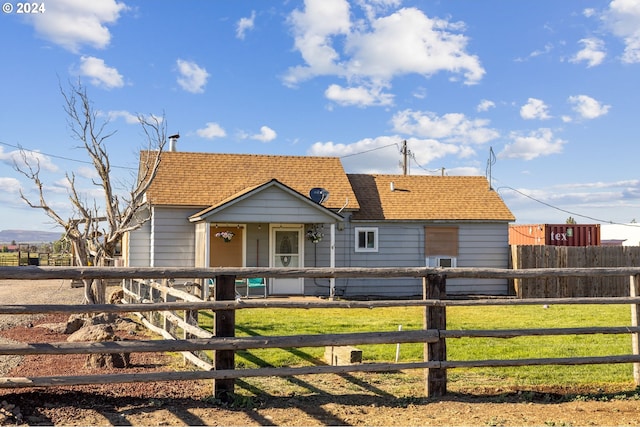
(434, 261)
(359, 230)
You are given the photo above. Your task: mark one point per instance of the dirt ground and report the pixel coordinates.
(383, 399)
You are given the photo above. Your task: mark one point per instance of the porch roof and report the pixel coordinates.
(208, 179)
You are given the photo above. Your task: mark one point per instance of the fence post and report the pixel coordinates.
(224, 326)
(634, 291)
(434, 287)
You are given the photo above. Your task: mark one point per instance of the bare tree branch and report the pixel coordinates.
(96, 228)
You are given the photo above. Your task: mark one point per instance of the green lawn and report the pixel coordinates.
(318, 321)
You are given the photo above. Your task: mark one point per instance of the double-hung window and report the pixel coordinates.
(366, 239)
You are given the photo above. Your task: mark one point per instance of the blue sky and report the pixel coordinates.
(550, 87)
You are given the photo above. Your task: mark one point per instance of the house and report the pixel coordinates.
(226, 210)
(620, 234)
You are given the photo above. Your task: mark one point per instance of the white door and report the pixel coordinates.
(286, 251)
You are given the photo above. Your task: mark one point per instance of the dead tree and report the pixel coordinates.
(97, 227)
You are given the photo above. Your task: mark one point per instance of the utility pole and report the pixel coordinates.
(405, 154)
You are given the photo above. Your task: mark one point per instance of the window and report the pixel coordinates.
(441, 246)
(366, 239)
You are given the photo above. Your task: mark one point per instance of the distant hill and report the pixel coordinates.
(29, 236)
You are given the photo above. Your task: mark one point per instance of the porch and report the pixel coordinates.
(267, 245)
(270, 225)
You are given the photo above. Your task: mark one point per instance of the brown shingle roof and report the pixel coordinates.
(205, 179)
(421, 197)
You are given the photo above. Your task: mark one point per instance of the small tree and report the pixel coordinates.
(62, 245)
(94, 230)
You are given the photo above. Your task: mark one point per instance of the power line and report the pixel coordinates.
(440, 170)
(18, 147)
(563, 210)
(368, 151)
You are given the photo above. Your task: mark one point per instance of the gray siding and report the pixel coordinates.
(139, 246)
(402, 245)
(169, 240)
(272, 205)
(172, 238)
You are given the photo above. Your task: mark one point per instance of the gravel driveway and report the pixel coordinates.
(18, 292)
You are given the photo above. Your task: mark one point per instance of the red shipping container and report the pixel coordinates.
(555, 234)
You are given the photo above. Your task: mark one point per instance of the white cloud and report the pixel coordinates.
(623, 19)
(371, 53)
(451, 127)
(193, 78)
(313, 31)
(373, 7)
(534, 109)
(211, 130)
(359, 96)
(382, 154)
(485, 105)
(535, 144)
(420, 92)
(266, 134)
(9, 185)
(99, 73)
(75, 23)
(245, 24)
(592, 53)
(587, 107)
(85, 172)
(407, 42)
(547, 49)
(128, 117)
(540, 52)
(33, 157)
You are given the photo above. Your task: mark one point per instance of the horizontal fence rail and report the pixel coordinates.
(44, 273)
(239, 305)
(151, 297)
(244, 343)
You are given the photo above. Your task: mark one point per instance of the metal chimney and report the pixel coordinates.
(173, 142)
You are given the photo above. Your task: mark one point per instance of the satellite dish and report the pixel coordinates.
(318, 195)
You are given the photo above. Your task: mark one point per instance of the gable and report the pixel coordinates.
(284, 205)
(207, 179)
(422, 197)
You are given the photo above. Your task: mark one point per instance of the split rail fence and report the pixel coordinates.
(224, 304)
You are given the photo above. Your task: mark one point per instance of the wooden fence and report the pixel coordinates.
(541, 256)
(224, 344)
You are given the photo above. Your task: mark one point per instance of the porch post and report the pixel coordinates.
(332, 262)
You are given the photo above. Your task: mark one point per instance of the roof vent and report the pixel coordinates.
(318, 195)
(173, 142)
(392, 186)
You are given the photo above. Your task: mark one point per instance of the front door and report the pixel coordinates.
(226, 252)
(286, 251)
